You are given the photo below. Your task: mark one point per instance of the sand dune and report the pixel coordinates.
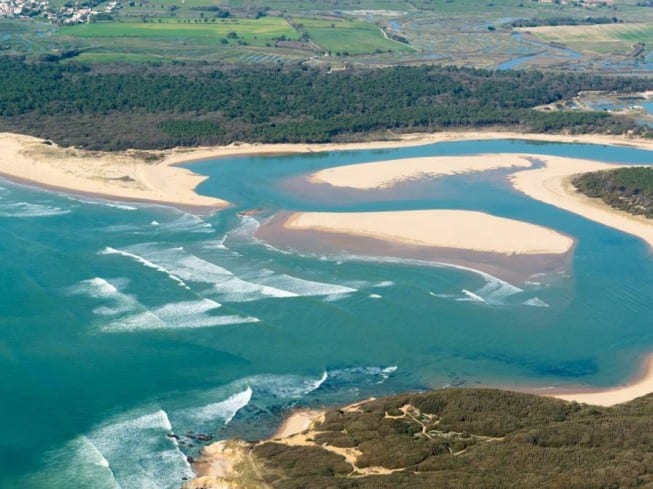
(464, 230)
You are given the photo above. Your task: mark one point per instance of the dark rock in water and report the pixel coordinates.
(172, 435)
(203, 438)
(190, 459)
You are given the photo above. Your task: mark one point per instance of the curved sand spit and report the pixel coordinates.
(125, 175)
(464, 230)
(552, 184)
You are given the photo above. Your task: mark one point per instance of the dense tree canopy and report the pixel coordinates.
(120, 106)
(626, 189)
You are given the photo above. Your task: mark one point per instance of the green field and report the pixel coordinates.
(348, 36)
(460, 32)
(603, 39)
(255, 32)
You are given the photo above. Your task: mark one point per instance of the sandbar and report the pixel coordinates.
(385, 174)
(551, 183)
(151, 176)
(459, 229)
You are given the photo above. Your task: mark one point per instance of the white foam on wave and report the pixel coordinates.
(186, 223)
(375, 296)
(355, 374)
(138, 452)
(247, 228)
(176, 315)
(385, 283)
(535, 302)
(113, 251)
(285, 386)
(217, 244)
(104, 203)
(206, 417)
(495, 291)
(302, 287)
(108, 290)
(472, 296)
(26, 209)
(250, 286)
(78, 460)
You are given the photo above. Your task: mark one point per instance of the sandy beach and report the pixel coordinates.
(152, 176)
(639, 387)
(552, 184)
(298, 422)
(463, 230)
(385, 174)
(128, 175)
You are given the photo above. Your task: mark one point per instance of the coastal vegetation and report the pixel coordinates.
(461, 438)
(626, 189)
(118, 106)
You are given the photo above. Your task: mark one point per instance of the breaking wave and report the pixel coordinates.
(263, 283)
(112, 251)
(137, 452)
(26, 209)
(206, 417)
(176, 315)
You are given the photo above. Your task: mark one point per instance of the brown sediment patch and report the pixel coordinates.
(511, 267)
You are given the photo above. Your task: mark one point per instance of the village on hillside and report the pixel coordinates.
(69, 13)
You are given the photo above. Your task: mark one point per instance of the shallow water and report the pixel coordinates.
(122, 323)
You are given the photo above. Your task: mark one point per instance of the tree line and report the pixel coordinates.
(119, 106)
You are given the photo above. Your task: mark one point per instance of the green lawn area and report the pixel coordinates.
(347, 36)
(256, 32)
(605, 38)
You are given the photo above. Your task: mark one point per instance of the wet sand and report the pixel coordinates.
(510, 267)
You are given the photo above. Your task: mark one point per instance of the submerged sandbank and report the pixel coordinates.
(121, 176)
(385, 174)
(641, 386)
(551, 183)
(463, 230)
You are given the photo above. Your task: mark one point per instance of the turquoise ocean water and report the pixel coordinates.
(121, 323)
